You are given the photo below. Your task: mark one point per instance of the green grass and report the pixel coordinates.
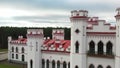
(10, 65)
(3, 50)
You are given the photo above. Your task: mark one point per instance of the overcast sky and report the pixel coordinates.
(55, 13)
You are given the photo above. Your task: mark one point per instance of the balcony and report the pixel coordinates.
(100, 54)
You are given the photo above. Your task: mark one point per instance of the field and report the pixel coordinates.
(6, 64)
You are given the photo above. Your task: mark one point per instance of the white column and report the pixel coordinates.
(61, 65)
(104, 49)
(67, 65)
(50, 64)
(56, 64)
(45, 64)
(96, 46)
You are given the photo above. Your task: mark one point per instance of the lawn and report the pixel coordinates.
(10, 65)
(3, 50)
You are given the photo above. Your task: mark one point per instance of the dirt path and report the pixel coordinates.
(3, 56)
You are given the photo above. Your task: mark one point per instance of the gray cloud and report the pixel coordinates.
(94, 7)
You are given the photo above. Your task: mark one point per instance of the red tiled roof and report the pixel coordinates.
(56, 44)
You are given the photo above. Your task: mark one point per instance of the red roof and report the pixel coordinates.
(56, 45)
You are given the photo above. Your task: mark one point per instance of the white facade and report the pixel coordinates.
(17, 50)
(94, 44)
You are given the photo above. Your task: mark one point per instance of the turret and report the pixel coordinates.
(9, 48)
(34, 42)
(58, 34)
(78, 38)
(117, 57)
(79, 14)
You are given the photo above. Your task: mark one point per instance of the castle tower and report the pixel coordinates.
(78, 38)
(58, 34)
(9, 48)
(34, 42)
(117, 56)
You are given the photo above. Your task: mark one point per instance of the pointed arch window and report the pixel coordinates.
(91, 66)
(12, 55)
(31, 64)
(109, 48)
(43, 63)
(23, 58)
(12, 49)
(47, 64)
(64, 65)
(53, 64)
(58, 64)
(16, 56)
(23, 50)
(16, 49)
(77, 47)
(92, 47)
(108, 66)
(76, 66)
(100, 47)
(100, 66)
(69, 65)
(36, 46)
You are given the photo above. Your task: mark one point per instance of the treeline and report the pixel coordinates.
(17, 31)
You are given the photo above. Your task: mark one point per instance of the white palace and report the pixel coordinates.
(94, 44)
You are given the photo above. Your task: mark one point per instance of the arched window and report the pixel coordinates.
(76, 66)
(43, 63)
(100, 47)
(109, 48)
(23, 50)
(77, 47)
(12, 55)
(58, 64)
(16, 49)
(100, 66)
(23, 58)
(12, 49)
(108, 66)
(92, 47)
(36, 46)
(31, 64)
(47, 64)
(16, 56)
(69, 65)
(64, 65)
(53, 64)
(91, 66)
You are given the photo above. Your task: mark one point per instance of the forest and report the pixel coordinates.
(17, 31)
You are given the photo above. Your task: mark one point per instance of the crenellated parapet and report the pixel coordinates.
(117, 16)
(79, 14)
(20, 40)
(58, 34)
(35, 32)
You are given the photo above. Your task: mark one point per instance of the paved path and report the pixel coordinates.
(3, 56)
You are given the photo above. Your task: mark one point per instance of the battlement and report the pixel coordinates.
(79, 14)
(20, 40)
(93, 19)
(58, 31)
(35, 32)
(58, 34)
(118, 13)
